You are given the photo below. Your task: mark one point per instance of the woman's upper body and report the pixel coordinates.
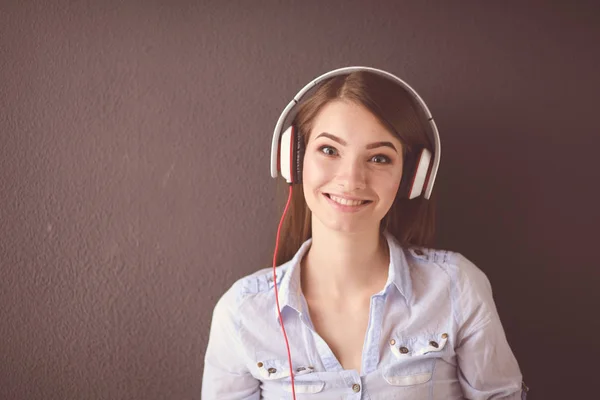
(369, 310)
(433, 333)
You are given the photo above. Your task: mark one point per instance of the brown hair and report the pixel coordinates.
(411, 222)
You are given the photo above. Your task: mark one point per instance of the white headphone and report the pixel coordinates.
(287, 148)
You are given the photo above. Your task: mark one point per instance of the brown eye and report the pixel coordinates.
(328, 150)
(381, 159)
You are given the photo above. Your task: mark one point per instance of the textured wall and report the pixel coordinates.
(134, 143)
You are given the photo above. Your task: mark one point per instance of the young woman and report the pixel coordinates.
(362, 306)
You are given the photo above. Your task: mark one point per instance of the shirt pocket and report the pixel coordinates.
(412, 363)
(416, 371)
(275, 375)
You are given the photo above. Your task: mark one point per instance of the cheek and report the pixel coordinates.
(389, 185)
(314, 172)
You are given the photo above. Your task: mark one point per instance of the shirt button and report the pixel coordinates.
(434, 344)
(403, 350)
(392, 342)
(260, 365)
(272, 370)
(444, 336)
(356, 387)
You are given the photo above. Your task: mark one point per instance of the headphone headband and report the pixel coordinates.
(347, 70)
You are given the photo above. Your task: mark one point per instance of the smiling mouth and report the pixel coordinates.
(346, 202)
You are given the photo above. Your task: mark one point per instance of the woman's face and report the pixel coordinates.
(352, 168)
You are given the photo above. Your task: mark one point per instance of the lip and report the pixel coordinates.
(341, 196)
(344, 208)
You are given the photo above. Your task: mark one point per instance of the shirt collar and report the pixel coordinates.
(399, 271)
(290, 293)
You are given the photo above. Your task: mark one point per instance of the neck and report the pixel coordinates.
(344, 264)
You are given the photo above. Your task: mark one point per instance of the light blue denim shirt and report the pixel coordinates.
(433, 333)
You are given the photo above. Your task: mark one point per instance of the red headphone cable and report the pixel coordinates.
(287, 344)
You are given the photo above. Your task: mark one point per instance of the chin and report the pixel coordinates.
(348, 227)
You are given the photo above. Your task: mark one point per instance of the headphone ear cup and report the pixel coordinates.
(291, 155)
(286, 147)
(416, 168)
(298, 155)
(420, 174)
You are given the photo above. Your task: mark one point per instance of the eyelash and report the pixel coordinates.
(322, 148)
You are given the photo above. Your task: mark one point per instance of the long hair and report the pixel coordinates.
(411, 222)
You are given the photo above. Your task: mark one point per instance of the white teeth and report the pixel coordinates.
(346, 202)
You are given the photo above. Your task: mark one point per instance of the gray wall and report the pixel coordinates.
(135, 188)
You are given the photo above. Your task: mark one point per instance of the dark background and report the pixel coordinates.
(135, 186)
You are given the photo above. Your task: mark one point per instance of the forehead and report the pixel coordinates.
(351, 121)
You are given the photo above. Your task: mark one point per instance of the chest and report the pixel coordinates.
(343, 328)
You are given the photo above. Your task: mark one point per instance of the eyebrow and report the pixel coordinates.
(369, 146)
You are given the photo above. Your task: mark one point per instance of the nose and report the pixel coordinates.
(352, 176)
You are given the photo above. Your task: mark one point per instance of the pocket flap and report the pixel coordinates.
(420, 345)
(278, 372)
(278, 369)
(273, 369)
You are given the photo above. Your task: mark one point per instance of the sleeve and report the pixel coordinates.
(226, 376)
(487, 368)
